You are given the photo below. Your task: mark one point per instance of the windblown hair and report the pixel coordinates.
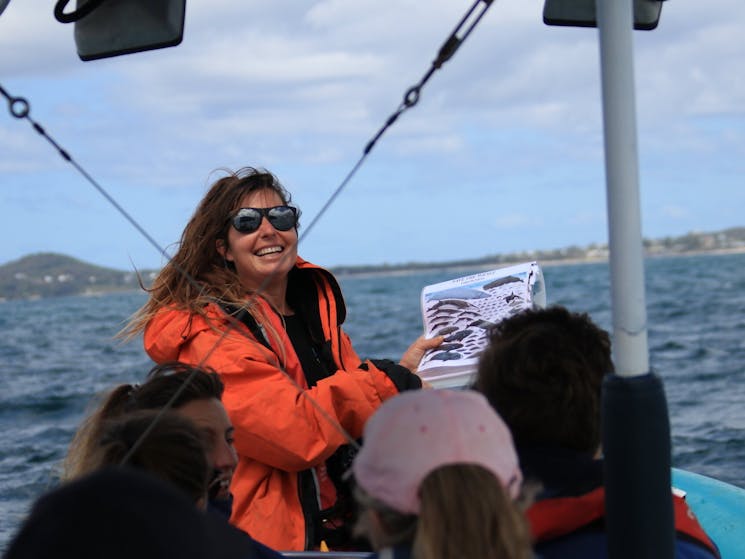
(174, 384)
(465, 512)
(165, 445)
(543, 372)
(198, 274)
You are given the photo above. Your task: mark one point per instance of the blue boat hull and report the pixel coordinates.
(719, 507)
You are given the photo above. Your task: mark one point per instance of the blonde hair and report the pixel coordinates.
(465, 512)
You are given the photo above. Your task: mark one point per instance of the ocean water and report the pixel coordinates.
(57, 354)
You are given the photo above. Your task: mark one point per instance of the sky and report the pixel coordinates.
(502, 153)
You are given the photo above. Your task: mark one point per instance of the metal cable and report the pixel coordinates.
(20, 108)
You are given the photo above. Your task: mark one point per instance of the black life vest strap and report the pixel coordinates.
(241, 314)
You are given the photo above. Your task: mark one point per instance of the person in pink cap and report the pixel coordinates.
(437, 478)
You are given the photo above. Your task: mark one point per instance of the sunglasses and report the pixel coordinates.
(248, 220)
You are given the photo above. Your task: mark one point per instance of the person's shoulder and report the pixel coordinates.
(142, 515)
(690, 534)
(306, 274)
(590, 544)
(579, 545)
(687, 549)
(303, 266)
(171, 327)
(177, 317)
(167, 315)
(234, 543)
(261, 551)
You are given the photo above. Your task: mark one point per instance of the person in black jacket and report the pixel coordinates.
(543, 372)
(123, 513)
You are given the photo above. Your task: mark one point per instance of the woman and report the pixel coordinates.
(191, 392)
(436, 478)
(237, 297)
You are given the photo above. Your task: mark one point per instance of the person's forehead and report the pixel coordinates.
(263, 198)
(206, 413)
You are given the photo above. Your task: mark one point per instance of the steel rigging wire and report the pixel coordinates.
(19, 108)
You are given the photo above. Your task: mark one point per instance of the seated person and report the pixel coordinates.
(543, 372)
(436, 478)
(125, 513)
(194, 393)
(164, 444)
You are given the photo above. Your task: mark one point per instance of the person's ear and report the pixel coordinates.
(223, 250)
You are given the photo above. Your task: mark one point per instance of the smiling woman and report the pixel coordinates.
(237, 297)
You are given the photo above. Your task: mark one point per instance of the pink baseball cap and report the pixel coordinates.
(416, 432)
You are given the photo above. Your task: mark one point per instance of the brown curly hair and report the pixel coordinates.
(542, 372)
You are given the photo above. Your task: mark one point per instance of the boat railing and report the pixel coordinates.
(328, 554)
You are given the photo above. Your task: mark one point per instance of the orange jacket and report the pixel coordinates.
(280, 429)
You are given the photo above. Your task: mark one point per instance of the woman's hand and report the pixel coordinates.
(416, 351)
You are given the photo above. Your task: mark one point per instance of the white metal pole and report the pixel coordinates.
(615, 25)
(636, 429)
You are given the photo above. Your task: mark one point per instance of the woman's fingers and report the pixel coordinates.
(416, 351)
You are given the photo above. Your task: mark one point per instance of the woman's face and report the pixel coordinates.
(212, 420)
(265, 252)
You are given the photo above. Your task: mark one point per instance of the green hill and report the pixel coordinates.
(50, 274)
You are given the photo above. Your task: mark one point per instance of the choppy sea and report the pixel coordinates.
(56, 354)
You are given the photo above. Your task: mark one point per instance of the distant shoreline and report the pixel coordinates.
(404, 269)
(45, 275)
(713, 252)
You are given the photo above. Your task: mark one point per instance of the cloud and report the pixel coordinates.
(515, 221)
(511, 126)
(587, 218)
(675, 212)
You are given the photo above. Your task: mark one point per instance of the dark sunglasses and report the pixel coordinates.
(248, 220)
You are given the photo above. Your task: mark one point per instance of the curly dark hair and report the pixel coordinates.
(543, 371)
